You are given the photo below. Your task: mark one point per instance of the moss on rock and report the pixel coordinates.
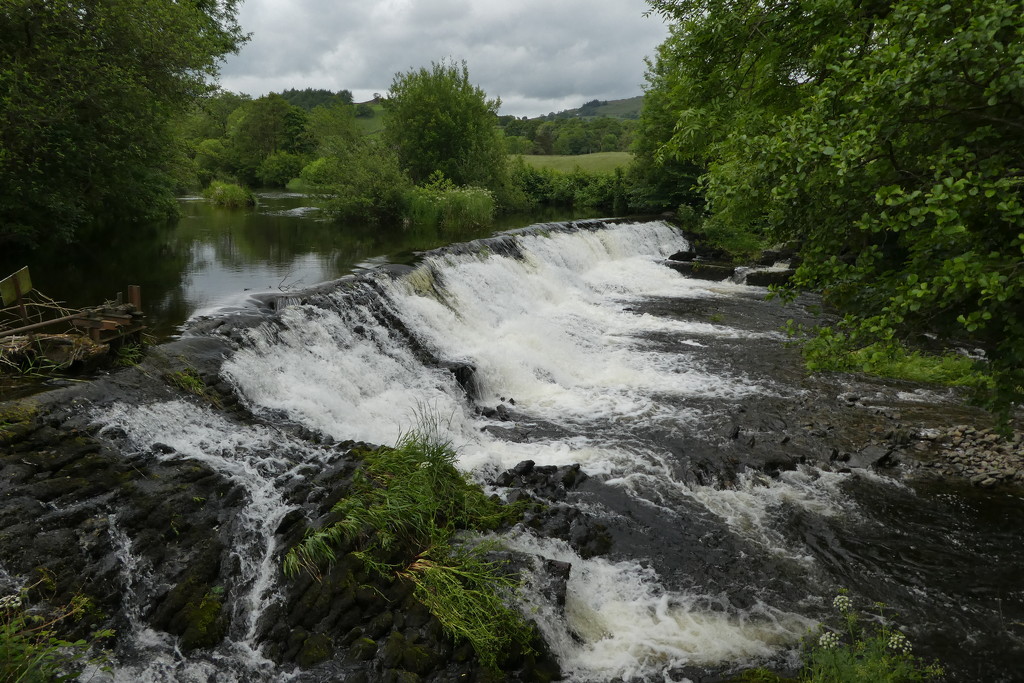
(206, 622)
(317, 648)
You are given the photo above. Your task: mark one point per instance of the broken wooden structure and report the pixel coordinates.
(40, 341)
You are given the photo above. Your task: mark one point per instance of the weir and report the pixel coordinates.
(715, 516)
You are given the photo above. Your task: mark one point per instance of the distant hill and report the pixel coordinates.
(615, 109)
(370, 116)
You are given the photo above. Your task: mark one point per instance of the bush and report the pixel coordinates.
(30, 648)
(406, 505)
(229, 194)
(451, 208)
(365, 184)
(856, 652)
(279, 168)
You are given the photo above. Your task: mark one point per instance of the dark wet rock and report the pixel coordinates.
(514, 434)
(702, 270)
(315, 649)
(767, 278)
(363, 649)
(523, 468)
(872, 456)
(686, 255)
(464, 374)
(557, 574)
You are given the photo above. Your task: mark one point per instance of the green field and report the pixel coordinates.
(371, 126)
(622, 109)
(600, 162)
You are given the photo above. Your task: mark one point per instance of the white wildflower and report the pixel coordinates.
(842, 603)
(10, 602)
(828, 640)
(899, 642)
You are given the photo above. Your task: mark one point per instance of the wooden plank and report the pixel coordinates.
(36, 326)
(15, 286)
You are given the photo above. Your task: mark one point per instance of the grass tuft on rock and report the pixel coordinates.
(406, 507)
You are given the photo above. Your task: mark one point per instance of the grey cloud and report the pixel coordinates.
(537, 55)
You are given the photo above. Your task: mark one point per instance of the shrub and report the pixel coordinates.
(365, 184)
(579, 188)
(229, 194)
(451, 208)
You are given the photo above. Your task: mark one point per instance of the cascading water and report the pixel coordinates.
(566, 328)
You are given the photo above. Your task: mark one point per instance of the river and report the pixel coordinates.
(213, 257)
(707, 448)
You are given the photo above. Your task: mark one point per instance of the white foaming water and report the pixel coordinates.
(241, 455)
(751, 506)
(554, 331)
(549, 330)
(620, 623)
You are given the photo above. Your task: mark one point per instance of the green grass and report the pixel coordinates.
(828, 349)
(129, 354)
(628, 108)
(372, 125)
(405, 507)
(188, 380)
(442, 204)
(620, 109)
(600, 162)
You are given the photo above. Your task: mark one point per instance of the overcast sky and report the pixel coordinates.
(539, 56)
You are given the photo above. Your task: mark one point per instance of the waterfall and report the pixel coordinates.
(597, 355)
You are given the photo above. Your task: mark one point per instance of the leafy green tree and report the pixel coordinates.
(208, 117)
(438, 121)
(544, 138)
(517, 144)
(280, 167)
(261, 128)
(364, 184)
(87, 90)
(887, 137)
(333, 129)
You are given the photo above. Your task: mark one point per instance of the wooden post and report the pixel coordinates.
(135, 296)
(21, 304)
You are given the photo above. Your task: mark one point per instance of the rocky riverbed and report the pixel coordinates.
(69, 493)
(169, 499)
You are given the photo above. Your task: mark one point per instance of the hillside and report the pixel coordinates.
(628, 108)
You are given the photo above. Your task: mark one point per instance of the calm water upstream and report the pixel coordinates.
(214, 257)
